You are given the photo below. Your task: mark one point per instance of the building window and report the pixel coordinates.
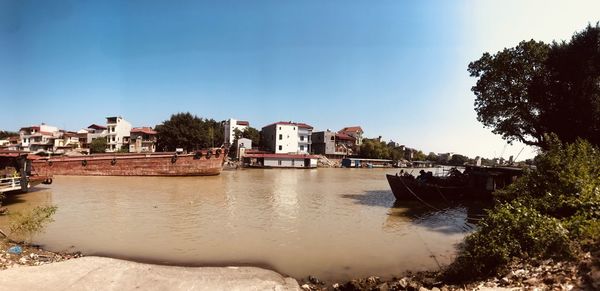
(279, 162)
(280, 136)
(280, 147)
(302, 148)
(301, 138)
(293, 162)
(332, 137)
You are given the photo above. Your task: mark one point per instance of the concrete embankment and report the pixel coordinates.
(97, 273)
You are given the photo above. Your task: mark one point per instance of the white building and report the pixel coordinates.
(93, 132)
(117, 136)
(298, 161)
(288, 137)
(38, 138)
(243, 144)
(230, 126)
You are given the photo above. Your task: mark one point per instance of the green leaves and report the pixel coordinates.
(25, 224)
(187, 131)
(534, 88)
(550, 212)
(98, 145)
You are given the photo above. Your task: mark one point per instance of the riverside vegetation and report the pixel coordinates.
(17, 250)
(544, 232)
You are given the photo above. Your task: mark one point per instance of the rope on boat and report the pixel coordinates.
(428, 249)
(431, 206)
(417, 196)
(441, 194)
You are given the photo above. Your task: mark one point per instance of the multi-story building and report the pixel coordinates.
(354, 131)
(142, 140)
(95, 131)
(230, 126)
(117, 136)
(38, 138)
(332, 145)
(287, 137)
(68, 142)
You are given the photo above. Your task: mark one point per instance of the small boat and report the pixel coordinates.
(476, 182)
(17, 173)
(199, 163)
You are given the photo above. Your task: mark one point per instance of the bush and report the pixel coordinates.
(510, 230)
(24, 225)
(547, 213)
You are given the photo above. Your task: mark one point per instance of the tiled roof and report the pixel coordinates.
(343, 136)
(96, 126)
(352, 129)
(146, 130)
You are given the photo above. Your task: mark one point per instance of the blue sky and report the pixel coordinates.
(396, 68)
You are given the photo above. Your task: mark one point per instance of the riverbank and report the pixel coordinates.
(582, 274)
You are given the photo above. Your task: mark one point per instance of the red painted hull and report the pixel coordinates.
(151, 164)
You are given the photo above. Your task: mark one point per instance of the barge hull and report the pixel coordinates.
(156, 164)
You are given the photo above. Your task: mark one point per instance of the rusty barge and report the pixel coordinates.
(199, 163)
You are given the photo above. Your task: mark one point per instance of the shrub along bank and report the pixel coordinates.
(550, 213)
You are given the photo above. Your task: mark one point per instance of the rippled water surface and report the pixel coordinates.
(332, 223)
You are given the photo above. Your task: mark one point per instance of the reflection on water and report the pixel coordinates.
(332, 223)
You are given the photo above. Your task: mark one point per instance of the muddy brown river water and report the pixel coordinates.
(335, 224)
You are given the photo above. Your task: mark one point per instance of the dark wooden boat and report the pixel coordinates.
(200, 163)
(22, 176)
(476, 182)
(408, 188)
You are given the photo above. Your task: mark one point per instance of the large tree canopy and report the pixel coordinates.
(190, 132)
(534, 88)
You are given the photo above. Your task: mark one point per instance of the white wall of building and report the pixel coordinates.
(116, 132)
(283, 138)
(289, 163)
(286, 139)
(229, 128)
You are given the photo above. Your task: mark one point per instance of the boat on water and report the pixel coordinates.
(17, 173)
(475, 182)
(199, 163)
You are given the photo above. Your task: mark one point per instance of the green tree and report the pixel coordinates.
(374, 149)
(252, 134)
(432, 157)
(419, 156)
(534, 88)
(190, 132)
(552, 212)
(458, 160)
(98, 145)
(504, 99)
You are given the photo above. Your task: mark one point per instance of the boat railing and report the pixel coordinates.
(10, 184)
